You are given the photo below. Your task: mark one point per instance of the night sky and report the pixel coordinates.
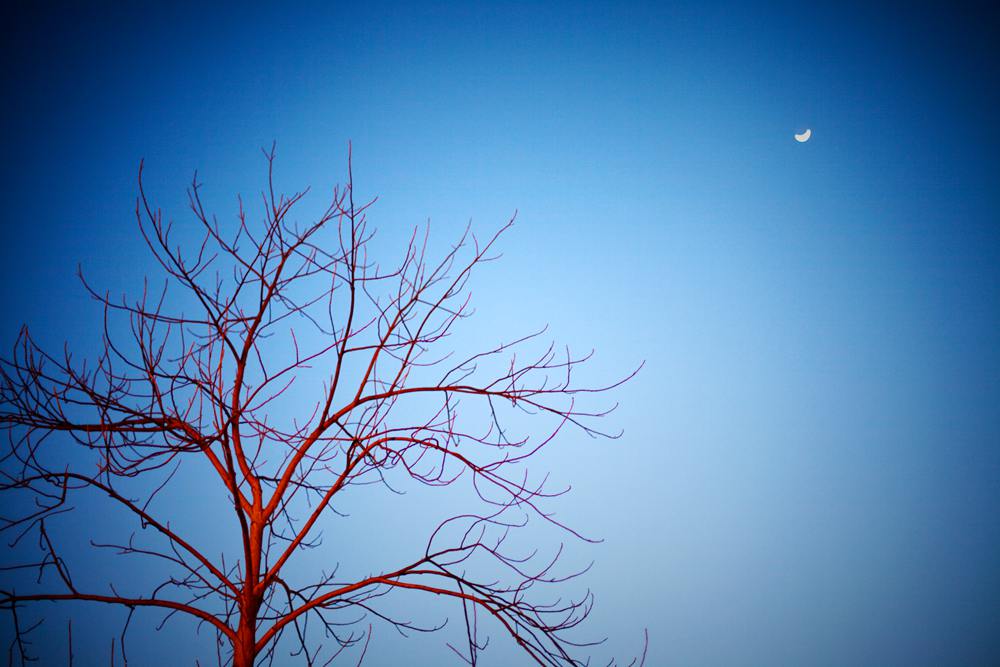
(810, 467)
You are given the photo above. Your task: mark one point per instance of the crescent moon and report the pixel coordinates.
(804, 137)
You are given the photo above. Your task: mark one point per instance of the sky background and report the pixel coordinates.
(810, 471)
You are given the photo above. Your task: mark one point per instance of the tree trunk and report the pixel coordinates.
(244, 654)
(244, 651)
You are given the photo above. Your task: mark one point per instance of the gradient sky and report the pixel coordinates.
(810, 471)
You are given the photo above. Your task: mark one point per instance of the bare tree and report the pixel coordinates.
(210, 377)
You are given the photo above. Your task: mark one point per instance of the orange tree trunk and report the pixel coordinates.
(244, 653)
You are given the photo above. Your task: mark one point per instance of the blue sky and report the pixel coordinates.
(810, 471)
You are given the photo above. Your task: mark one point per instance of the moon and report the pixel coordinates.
(804, 137)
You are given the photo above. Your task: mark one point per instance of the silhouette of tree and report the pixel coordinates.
(209, 378)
